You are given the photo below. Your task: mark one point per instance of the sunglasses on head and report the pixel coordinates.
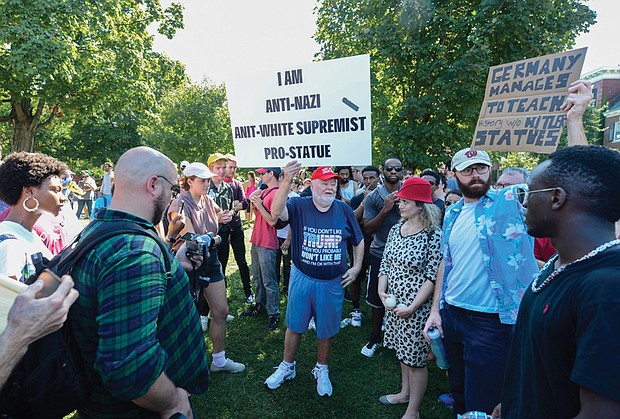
(390, 168)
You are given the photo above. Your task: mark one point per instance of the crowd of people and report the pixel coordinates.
(520, 275)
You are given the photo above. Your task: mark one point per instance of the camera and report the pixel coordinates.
(199, 245)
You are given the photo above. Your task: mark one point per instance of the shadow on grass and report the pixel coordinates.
(358, 381)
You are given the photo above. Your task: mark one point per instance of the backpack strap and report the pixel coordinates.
(64, 261)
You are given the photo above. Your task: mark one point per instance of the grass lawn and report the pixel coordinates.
(358, 381)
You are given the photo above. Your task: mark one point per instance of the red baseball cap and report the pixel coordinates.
(325, 173)
(416, 189)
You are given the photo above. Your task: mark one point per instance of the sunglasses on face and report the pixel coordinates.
(396, 168)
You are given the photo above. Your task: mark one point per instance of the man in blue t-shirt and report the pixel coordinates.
(321, 229)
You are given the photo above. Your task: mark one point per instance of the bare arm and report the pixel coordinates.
(30, 319)
(434, 319)
(579, 95)
(358, 256)
(165, 398)
(372, 225)
(359, 211)
(382, 287)
(424, 293)
(268, 216)
(594, 405)
(278, 206)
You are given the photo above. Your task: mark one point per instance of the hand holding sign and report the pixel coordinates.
(525, 101)
(579, 95)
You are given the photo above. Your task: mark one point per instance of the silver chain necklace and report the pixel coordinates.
(537, 288)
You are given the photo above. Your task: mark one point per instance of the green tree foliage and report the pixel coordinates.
(191, 123)
(430, 60)
(61, 56)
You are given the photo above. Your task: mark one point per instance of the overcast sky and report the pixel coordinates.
(222, 39)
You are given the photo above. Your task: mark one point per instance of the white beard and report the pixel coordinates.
(323, 201)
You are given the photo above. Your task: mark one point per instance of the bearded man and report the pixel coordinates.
(488, 264)
(321, 229)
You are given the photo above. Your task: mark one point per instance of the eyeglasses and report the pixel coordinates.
(390, 168)
(501, 185)
(481, 170)
(174, 188)
(523, 195)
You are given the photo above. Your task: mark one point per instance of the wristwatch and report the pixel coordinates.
(171, 239)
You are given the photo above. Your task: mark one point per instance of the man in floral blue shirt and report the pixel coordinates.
(488, 264)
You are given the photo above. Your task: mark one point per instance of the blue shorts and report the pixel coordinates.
(321, 298)
(213, 268)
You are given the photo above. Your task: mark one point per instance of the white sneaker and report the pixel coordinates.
(323, 385)
(356, 318)
(312, 324)
(229, 366)
(229, 317)
(204, 322)
(282, 373)
(370, 349)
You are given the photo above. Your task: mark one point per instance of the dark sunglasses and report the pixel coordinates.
(390, 168)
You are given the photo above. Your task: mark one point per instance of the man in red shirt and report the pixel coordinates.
(265, 249)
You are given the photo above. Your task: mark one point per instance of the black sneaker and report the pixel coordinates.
(254, 310)
(273, 323)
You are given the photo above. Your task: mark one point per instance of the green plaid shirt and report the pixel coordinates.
(132, 324)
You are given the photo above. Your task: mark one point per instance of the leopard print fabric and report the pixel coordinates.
(408, 262)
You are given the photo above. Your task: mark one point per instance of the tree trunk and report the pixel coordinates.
(25, 123)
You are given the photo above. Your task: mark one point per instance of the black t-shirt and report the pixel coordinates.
(356, 200)
(566, 337)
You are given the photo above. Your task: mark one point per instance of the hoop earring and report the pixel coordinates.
(36, 204)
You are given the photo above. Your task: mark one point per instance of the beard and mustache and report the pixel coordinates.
(324, 201)
(160, 206)
(469, 191)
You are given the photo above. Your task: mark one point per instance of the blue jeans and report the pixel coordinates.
(477, 345)
(81, 203)
(265, 281)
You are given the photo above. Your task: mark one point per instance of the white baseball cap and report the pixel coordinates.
(468, 156)
(199, 170)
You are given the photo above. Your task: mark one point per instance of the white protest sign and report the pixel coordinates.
(521, 108)
(317, 114)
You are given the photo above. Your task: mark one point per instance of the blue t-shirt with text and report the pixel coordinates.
(319, 239)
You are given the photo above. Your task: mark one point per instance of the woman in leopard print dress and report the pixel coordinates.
(408, 270)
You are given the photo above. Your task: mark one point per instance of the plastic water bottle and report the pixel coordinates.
(438, 348)
(474, 415)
